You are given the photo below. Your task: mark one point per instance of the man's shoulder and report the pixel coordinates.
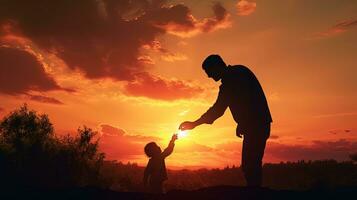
(237, 71)
(237, 67)
(232, 72)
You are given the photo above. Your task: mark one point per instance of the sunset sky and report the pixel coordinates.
(131, 70)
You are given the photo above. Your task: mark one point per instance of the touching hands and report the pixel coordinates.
(187, 125)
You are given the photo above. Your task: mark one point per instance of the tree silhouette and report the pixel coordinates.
(354, 157)
(32, 155)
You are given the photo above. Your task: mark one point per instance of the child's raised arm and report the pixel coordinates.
(170, 147)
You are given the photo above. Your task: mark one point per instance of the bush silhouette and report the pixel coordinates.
(31, 154)
(354, 157)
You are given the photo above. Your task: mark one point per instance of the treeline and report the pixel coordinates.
(31, 155)
(301, 175)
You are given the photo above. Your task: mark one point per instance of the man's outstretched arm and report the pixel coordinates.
(213, 113)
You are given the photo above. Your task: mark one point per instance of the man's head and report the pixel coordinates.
(214, 66)
(152, 149)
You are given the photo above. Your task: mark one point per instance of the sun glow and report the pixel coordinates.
(181, 134)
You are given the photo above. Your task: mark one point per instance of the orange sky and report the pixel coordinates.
(132, 71)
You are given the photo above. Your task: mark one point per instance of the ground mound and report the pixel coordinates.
(218, 192)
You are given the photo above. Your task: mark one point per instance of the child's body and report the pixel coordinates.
(155, 172)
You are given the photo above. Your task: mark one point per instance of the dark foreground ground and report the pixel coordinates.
(219, 192)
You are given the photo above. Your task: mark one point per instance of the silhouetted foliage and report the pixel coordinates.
(353, 157)
(311, 174)
(31, 154)
(299, 175)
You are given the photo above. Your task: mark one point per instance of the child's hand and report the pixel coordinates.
(174, 137)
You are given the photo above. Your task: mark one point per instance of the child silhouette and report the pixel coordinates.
(155, 172)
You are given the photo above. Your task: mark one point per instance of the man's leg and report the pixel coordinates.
(156, 187)
(253, 152)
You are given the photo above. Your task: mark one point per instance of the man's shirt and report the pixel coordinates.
(242, 93)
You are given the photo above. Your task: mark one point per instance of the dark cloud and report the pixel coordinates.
(158, 88)
(112, 131)
(347, 24)
(178, 16)
(318, 150)
(117, 144)
(45, 99)
(340, 131)
(21, 72)
(338, 28)
(172, 57)
(103, 38)
(333, 132)
(184, 24)
(220, 18)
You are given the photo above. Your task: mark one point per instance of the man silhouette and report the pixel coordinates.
(241, 92)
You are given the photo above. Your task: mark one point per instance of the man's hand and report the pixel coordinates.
(187, 125)
(239, 135)
(238, 132)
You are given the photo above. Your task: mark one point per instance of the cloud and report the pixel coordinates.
(335, 115)
(2, 109)
(21, 72)
(45, 99)
(219, 21)
(318, 150)
(341, 131)
(104, 38)
(338, 28)
(230, 146)
(155, 46)
(111, 130)
(146, 60)
(245, 7)
(184, 24)
(172, 57)
(166, 54)
(182, 43)
(118, 144)
(155, 87)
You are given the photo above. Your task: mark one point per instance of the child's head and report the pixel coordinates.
(152, 149)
